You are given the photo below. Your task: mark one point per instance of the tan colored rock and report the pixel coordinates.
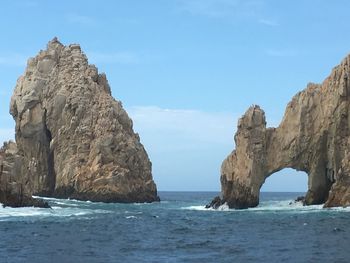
(313, 137)
(13, 190)
(75, 140)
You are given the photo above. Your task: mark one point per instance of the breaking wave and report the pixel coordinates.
(59, 208)
(272, 206)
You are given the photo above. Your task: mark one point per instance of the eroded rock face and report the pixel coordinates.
(74, 139)
(13, 189)
(313, 137)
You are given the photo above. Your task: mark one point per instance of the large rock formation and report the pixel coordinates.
(74, 140)
(313, 137)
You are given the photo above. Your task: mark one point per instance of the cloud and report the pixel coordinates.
(281, 52)
(29, 3)
(212, 8)
(186, 146)
(26, 4)
(80, 19)
(268, 22)
(183, 129)
(6, 134)
(13, 60)
(123, 57)
(221, 8)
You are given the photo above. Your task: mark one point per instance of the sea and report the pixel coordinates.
(177, 229)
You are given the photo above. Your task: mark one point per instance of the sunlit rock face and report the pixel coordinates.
(74, 139)
(313, 137)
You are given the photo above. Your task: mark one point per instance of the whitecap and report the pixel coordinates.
(9, 213)
(284, 206)
(60, 203)
(223, 207)
(195, 207)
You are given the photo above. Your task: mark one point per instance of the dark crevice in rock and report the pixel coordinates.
(50, 164)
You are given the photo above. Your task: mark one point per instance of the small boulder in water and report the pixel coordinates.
(215, 203)
(299, 199)
(23, 201)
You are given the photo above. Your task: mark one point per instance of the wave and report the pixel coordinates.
(130, 217)
(30, 212)
(59, 208)
(272, 206)
(223, 207)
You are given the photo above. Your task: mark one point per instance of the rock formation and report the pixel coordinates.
(12, 186)
(74, 140)
(313, 137)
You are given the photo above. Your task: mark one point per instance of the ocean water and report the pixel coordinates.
(178, 229)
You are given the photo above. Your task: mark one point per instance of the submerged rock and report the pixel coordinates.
(74, 140)
(216, 203)
(299, 199)
(313, 137)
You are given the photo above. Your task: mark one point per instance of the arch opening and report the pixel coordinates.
(314, 188)
(286, 180)
(285, 183)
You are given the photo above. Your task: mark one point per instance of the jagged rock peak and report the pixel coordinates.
(76, 140)
(314, 137)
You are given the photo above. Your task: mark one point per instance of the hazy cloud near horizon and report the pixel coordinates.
(184, 145)
(199, 126)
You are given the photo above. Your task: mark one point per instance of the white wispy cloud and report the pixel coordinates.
(268, 22)
(213, 8)
(26, 4)
(122, 57)
(6, 135)
(83, 20)
(13, 60)
(220, 8)
(184, 126)
(281, 52)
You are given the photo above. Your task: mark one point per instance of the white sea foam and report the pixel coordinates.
(130, 217)
(273, 206)
(44, 212)
(69, 209)
(195, 207)
(62, 203)
(223, 207)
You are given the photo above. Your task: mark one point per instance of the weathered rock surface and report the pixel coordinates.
(74, 140)
(13, 192)
(313, 137)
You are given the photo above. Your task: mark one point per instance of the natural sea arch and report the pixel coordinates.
(313, 137)
(261, 152)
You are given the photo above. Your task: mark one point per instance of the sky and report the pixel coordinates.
(186, 70)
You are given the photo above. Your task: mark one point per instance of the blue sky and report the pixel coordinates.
(186, 70)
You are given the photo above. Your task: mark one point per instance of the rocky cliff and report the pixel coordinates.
(13, 191)
(74, 140)
(313, 137)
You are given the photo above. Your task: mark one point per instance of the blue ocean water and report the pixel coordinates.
(178, 229)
